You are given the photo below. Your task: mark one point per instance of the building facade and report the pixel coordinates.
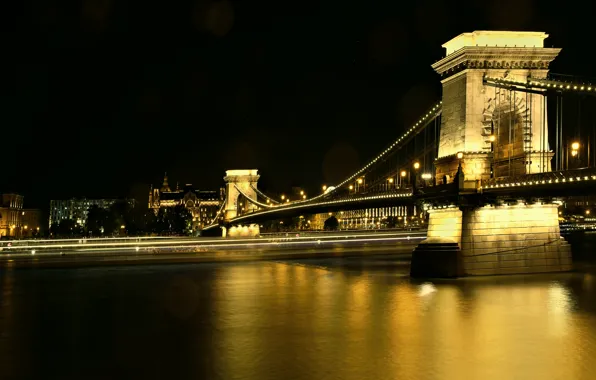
(202, 204)
(77, 209)
(18, 222)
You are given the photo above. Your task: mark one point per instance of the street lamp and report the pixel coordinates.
(574, 151)
(324, 187)
(283, 197)
(460, 155)
(403, 174)
(492, 138)
(301, 192)
(303, 196)
(416, 165)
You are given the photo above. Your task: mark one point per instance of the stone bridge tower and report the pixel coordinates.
(499, 132)
(492, 132)
(240, 182)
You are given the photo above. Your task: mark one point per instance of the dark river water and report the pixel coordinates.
(357, 318)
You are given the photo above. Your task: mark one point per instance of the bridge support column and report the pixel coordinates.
(491, 240)
(237, 181)
(252, 230)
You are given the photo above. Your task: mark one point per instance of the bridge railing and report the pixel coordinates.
(554, 176)
(334, 199)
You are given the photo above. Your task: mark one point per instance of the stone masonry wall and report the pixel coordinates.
(453, 119)
(445, 224)
(513, 239)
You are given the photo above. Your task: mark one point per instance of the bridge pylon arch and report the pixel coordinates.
(238, 181)
(471, 109)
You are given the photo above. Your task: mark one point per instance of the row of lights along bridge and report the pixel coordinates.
(402, 180)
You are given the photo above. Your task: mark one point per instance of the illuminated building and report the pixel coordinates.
(202, 204)
(77, 209)
(16, 221)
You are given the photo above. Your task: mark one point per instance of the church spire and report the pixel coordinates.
(165, 186)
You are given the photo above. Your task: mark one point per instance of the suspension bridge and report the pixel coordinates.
(489, 162)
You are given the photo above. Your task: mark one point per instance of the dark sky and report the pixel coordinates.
(100, 97)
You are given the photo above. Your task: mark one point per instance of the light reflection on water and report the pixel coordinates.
(362, 326)
(294, 320)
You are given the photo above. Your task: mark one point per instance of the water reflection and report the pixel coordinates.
(273, 320)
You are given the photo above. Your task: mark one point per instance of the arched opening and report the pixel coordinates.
(241, 204)
(508, 149)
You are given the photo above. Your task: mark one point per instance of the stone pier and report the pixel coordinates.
(491, 240)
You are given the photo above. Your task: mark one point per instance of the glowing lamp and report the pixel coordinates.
(575, 146)
(460, 155)
(403, 173)
(416, 165)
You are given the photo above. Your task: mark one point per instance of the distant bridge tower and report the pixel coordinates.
(495, 129)
(238, 182)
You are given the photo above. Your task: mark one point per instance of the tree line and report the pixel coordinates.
(122, 219)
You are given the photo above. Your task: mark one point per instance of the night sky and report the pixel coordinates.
(100, 97)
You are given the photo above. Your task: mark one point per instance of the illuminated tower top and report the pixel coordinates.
(165, 186)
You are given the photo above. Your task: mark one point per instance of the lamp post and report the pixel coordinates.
(416, 168)
(403, 178)
(574, 152)
(361, 182)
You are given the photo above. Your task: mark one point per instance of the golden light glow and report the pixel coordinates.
(492, 138)
(460, 155)
(587, 212)
(301, 192)
(575, 146)
(351, 187)
(324, 187)
(403, 173)
(303, 196)
(416, 165)
(390, 180)
(283, 197)
(574, 153)
(359, 180)
(426, 176)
